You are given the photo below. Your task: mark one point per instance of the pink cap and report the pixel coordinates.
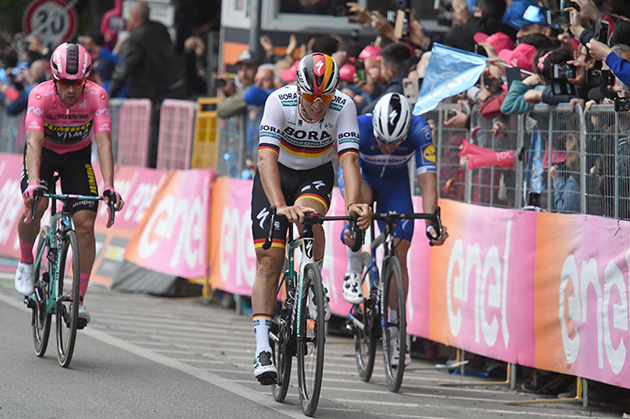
(499, 40)
(369, 52)
(522, 56)
(347, 72)
(290, 74)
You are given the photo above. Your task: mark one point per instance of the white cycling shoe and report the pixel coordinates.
(393, 344)
(312, 307)
(352, 289)
(24, 279)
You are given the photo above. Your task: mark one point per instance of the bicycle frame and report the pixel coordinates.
(59, 223)
(386, 238)
(290, 275)
(293, 328)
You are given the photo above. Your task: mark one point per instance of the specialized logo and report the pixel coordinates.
(262, 217)
(392, 116)
(318, 68)
(308, 249)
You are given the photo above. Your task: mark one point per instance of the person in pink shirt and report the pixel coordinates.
(61, 115)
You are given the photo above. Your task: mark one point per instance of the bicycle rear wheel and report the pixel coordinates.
(283, 350)
(363, 330)
(394, 330)
(311, 340)
(68, 298)
(41, 319)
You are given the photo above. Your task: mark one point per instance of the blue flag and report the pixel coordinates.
(450, 72)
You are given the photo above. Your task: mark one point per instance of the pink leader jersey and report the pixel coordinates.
(68, 129)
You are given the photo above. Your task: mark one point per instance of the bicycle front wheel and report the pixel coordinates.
(68, 298)
(311, 339)
(41, 319)
(394, 328)
(363, 330)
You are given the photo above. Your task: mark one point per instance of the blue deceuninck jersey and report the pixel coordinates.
(387, 175)
(376, 164)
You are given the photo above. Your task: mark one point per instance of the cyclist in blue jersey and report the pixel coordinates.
(390, 137)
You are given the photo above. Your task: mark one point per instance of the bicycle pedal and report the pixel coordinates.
(81, 323)
(267, 379)
(29, 302)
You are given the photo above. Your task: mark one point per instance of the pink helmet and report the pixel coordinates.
(70, 61)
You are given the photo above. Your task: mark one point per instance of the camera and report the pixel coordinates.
(562, 87)
(622, 104)
(602, 29)
(401, 27)
(117, 23)
(445, 12)
(558, 17)
(568, 3)
(360, 66)
(220, 83)
(600, 77)
(343, 10)
(563, 71)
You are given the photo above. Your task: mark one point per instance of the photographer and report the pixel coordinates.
(523, 95)
(486, 20)
(619, 66)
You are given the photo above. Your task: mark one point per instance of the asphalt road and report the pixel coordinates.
(153, 357)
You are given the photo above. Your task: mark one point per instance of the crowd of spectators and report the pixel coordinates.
(513, 34)
(140, 62)
(516, 34)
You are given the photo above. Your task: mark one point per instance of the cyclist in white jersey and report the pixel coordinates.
(304, 128)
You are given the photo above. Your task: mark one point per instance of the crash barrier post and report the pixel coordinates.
(205, 140)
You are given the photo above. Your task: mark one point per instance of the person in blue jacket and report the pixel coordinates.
(255, 96)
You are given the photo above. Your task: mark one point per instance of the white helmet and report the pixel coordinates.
(391, 118)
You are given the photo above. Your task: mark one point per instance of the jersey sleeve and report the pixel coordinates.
(271, 124)
(347, 130)
(34, 119)
(425, 150)
(102, 116)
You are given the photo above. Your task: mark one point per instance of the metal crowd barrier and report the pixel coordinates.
(177, 120)
(133, 122)
(598, 161)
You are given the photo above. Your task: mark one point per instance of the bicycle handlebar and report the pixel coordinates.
(39, 193)
(392, 216)
(313, 218)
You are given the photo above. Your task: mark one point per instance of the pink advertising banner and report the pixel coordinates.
(172, 236)
(11, 203)
(137, 186)
(232, 256)
(542, 290)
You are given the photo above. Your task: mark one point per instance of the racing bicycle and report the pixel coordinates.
(56, 277)
(371, 319)
(299, 329)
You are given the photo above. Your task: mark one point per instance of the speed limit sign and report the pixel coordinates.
(53, 21)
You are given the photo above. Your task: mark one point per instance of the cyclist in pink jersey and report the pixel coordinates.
(60, 118)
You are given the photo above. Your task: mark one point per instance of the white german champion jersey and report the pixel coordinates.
(302, 145)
